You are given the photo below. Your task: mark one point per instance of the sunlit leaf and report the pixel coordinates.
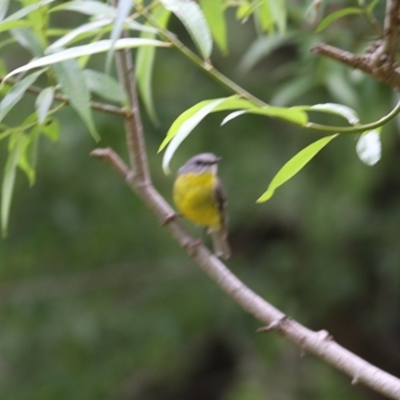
(43, 103)
(25, 161)
(369, 147)
(144, 65)
(335, 16)
(92, 48)
(51, 129)
(15, 94)
(191, 16)
(87, 7)
(104, 86)
(23, 12)
(264, 15)
(8, 25)
(214, 13)
(73, 84)
(294, 165)
(3, 8)
(333, 108)
(123, 10)
(9, 180)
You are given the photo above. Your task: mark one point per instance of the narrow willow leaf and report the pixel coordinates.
(74, 52)
(104, 86)
(43, 103)
(244, 11)
(8, 181)
(214, 13)
(291, 114)
(25, 162)
(294, 165)
(3, 9)
(338, 109)
(123, 10)
(51, 129)
(16, 92)
(336, 15)
(8, 25)
(264, 15)
(189, 119)
(369, 147)
(191, 16)
(278, 11)
(144, 65)
(23, 12)
(27, 38)
(73, 84)
(87, 7)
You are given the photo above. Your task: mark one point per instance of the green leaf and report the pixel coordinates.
(278, 11)
(3, 9)
(144, 65)
(27, 38)
(51, 129)
(23, 12)
(291, 114)
(73, 84)
(25, 160)
(9, 180)
(244, 11)
(333, 108)
(123, 10)
(294, 165)
(104, 86)
(336, 15)
(191, 16)
(43, 103)
(292, 90)
(87, 7)
(16, 92)
(92, 48)
(188, 120)
(264, 15)
(369, 147)
(214, 13)
(8, 25)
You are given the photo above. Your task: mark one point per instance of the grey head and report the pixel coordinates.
(204, 162)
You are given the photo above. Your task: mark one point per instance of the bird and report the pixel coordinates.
(199, 196)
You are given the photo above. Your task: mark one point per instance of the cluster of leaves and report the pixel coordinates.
(60, 58)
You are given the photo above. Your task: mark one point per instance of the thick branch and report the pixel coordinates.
(318, 343)
(391, 30)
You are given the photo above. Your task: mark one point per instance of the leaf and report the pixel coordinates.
(25, 160)
(73, 84)
(15, 94)
(43, 103)
(291, 114)
(123, 10)
(191, 16)
(278, 10)
(3, 9)
(214, 14)
(51, 129)
(336, 15)
(84, 50)
(8, 25)
(87, 7)
(189, 119)
(369, 147)
(27, 38)
(294, 165)
(144, 65)
(338, 109)
(9, 180)
(23, 12)
(264, 15)
(104, 86)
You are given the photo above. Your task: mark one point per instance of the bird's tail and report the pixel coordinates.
(220, 244)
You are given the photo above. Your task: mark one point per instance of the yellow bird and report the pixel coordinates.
(199, 196)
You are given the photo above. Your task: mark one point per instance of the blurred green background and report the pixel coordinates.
(98, 302)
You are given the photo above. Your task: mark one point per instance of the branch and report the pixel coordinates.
(318, 343)
(380, 62)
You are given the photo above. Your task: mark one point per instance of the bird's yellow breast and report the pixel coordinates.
(194, 195)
